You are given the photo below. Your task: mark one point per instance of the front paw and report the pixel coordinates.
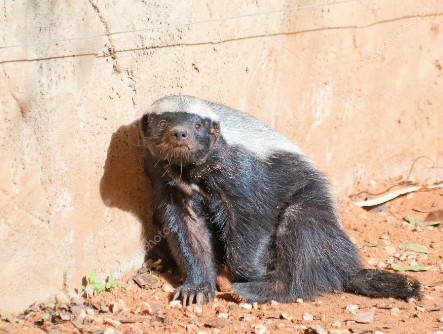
(190, 293)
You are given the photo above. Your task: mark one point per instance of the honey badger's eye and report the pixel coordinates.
(198, 126)
(162, 124)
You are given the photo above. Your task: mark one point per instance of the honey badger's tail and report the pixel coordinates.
(381, 283)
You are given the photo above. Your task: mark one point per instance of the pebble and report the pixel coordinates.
(395, 311)
(441, 319)
(191, 328)
(308, 317)
(109, 330)
(117, 306)
(365, 317)
(197, 310)
(299, 301)
(246, 306)
(255, 305)
(372, 261)
(286, 316)
(223, 315)
(336, 324)
(352, 308)
(259, 329)
(168, 287)
(420, 308)
(112, 322)
(390, 250)
(175, 304)
(248, 317)
(318, 329)
(381, 265)
(274, 303)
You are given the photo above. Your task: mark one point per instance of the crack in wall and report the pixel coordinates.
(114, 52)
(111, 49)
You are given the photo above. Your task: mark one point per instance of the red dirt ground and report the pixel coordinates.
(379, 233)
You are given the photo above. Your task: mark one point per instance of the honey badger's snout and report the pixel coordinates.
(179, 134)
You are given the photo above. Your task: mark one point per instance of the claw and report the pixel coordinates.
(200, 298)
(211, 296)
(176, 295)
(191, 298)
(184, 297)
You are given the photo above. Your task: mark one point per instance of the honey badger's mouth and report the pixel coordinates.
(175, 151)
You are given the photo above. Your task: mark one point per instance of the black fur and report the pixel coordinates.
(270, 219)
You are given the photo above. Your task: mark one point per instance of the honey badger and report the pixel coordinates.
(233, 191)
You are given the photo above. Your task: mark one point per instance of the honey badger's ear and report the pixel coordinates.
(144, 124)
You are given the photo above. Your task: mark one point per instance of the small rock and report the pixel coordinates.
(248, 318)
(390, 250)
(381, 265)
(201, 332)
(308, 317)
(191, 328)
(299, 301)
(218, 323)
(168, 288)
(420, 308)
(246, 306)
(89, 311)
(117, 307)
(175, 304)
(147, 281)
(109, 330)
(255, 305)
(372, 261)
(336, 324)
(195, 309)
(274, 303)
(378, 332)
(286, 316)
(144, 308)
(259, 329)
(65, 316)
(365, 317)
(104, 308)
(318, 329)
(112, 322)
(395, 311)
(223, 315)
(220, 308)
(352, 308)
(441, 319)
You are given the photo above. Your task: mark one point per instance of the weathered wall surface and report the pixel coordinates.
(357, 84)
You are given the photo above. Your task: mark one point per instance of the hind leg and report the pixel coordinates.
(313, 254)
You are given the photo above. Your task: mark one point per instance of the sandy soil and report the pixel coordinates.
(380, 234)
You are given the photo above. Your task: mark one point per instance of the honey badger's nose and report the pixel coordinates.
(179, 134)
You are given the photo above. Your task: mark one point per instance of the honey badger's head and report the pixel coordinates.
(180, 129)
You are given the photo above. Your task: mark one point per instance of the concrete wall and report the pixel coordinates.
(357, 84)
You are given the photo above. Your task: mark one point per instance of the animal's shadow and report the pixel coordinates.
(124, 185)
